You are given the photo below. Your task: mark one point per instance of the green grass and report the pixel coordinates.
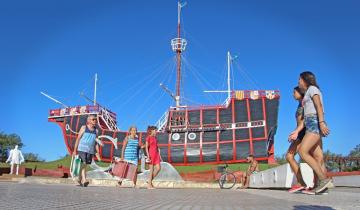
(45, 165)
(181, 169)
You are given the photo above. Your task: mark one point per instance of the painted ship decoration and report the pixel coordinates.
(189, 135)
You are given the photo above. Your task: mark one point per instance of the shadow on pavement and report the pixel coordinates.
(301, 207)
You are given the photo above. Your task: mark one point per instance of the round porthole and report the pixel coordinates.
(175, 137)
(192, 136)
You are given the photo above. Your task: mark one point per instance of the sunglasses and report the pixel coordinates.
(94, 119)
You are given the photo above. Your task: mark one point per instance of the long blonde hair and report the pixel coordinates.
(129, 131)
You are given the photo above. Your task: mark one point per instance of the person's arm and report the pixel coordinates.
(22, 159)
(147, 148)
(123, 148)
(249, 168)
(10, 156)
(257, 166)
(320, 113)
(81, 132)
(300, 125)
(252, 167)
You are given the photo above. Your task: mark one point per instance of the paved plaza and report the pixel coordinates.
(65, 196)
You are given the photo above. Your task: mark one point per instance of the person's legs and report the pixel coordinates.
(11, 168)
(151, 170)
(156, 170)
(247, 179)
(290, 157)
(135, 179)
(309, 141)
(17, 169)
(319, 156)
(82, 175)
(242, 178)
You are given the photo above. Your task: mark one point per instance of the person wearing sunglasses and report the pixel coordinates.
(85, 146)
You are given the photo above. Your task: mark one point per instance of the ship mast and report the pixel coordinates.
(228, 80)
(95, 89)
(228, 91)
(178, 45)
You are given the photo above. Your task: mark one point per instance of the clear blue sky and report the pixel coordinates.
(58, 46)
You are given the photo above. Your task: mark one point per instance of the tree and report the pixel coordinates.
(7, 142)
(331, 164)
(355, 152)
(32, 157)
(280, 159)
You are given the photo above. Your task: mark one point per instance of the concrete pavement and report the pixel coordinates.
(65, 196)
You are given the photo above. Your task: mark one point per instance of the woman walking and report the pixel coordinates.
(315, 125)
(152, 152)
(295, 143)
(130, 150)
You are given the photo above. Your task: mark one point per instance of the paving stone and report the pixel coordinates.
(64, 196)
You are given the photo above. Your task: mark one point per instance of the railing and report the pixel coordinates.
(79, 110)
(160, 124)
(108, 119)
(226, 102)
(340, 163)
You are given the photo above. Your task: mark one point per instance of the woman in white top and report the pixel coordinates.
(315, 125)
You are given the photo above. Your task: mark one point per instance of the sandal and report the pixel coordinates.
(86, 183)
(80, 184)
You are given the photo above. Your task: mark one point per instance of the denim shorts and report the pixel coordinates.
(312, 124)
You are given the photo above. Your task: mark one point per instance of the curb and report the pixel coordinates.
(114, 183)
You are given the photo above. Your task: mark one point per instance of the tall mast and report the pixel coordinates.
(95, 89)
(228, 80)
(178, 45)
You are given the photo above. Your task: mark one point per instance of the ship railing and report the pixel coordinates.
(108, 119)
(78, 110)
(226, 102)
(160, 124)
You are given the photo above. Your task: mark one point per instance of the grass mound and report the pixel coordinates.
(65, 162)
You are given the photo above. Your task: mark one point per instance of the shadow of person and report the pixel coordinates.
(302, 207)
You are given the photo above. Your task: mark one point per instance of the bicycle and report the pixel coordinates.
(227, 179)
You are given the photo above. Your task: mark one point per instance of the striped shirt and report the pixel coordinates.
(131, 151)
(87, 141)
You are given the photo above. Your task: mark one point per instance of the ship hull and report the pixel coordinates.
(204, 135)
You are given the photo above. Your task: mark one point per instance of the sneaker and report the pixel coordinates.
(325, 183)
(308, 192)
(331, 185)
(296, 188)
(324, 192)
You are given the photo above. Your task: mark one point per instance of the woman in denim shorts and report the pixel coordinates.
(315, 125)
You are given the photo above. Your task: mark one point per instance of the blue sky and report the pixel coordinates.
(58, 46)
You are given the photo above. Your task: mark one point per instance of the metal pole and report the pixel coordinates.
(95, 89)
(228, 80)
(178, 57)
(51, 98)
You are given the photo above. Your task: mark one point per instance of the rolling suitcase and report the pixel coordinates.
(124, 170)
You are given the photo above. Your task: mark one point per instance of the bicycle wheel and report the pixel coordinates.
(227, 181)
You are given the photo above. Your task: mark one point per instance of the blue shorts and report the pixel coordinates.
(312, 124)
